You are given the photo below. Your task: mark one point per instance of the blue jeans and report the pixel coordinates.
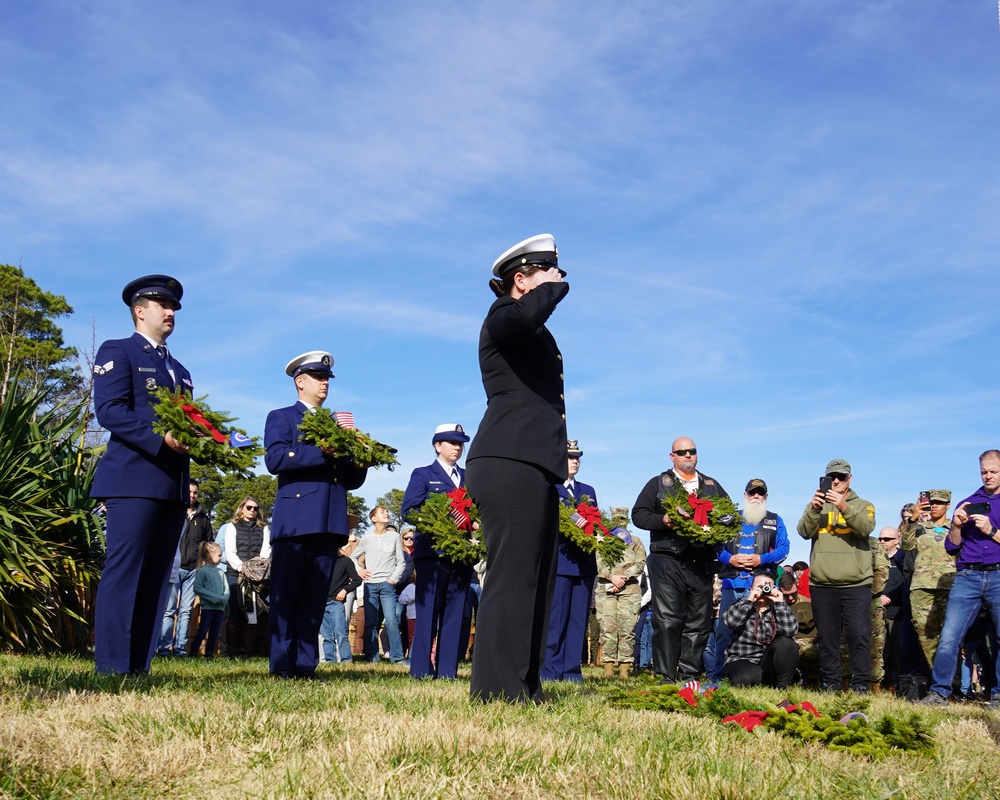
(334, 632)
(646, 641)
(380, 602)
(185, 587)
(167, 627)
(970, 590)
(723, 633)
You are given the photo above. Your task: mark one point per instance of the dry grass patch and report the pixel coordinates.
(227, 729)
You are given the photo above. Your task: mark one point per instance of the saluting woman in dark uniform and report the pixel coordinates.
(514, 464)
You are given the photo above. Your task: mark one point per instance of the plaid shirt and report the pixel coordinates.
(753, 632)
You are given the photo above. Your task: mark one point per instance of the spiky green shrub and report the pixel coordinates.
(49, 540)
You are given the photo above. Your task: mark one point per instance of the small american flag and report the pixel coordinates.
(345, 419)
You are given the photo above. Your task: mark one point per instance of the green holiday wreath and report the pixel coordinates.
(320, 427)
(853, 733)
(709, 520)
(595, 536)
(451, 521)
(207, 433)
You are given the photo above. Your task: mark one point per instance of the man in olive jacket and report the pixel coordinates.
(840, 578)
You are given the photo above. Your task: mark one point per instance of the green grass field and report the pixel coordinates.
(225, 729)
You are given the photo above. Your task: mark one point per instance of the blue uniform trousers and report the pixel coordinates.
(441, 589)
(301, 571)
(141, 537)
(567, 628)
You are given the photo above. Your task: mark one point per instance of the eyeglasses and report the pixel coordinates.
(887, 539)
(838, 476)
(251, 508)
(691, 451)
(407, 538)
(757, 493)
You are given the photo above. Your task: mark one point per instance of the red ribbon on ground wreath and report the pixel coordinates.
(748, 720)
(592, 517)
(700, 508)
(195, 415)
(460, 505)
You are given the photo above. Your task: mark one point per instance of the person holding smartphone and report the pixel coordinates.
(838, 523)
(975, 539)
(763, 651)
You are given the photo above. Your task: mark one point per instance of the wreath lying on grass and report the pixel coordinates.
(451, 520)
(853, 733)
(322, 428)
(709, 520)
(206, 432)
(590, 530)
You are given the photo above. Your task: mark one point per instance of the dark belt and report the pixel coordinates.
(983, 567)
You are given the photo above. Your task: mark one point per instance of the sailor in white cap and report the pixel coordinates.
(515, 463)
(309, 522)
(441, 585)
(142, 478)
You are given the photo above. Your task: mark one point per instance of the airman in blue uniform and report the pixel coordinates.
(442, 586)
(309, 524)
(576, 572)
(142, 479)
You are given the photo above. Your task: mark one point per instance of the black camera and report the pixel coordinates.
(766, 589)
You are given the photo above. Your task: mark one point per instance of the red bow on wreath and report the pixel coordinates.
(700, 508)
(460, 505)
(195, 415)
(591, 517)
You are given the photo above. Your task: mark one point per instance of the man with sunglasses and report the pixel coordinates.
(931, 567)
(680, 571)
(763, 542)
(838, 523)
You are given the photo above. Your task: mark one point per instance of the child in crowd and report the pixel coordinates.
(213, 594)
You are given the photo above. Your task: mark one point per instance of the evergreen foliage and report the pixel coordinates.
(50, 542)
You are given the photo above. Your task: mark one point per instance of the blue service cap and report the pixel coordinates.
(317, 362)
(450, 432)
(539, 250)
(573, 448)
(156, 287)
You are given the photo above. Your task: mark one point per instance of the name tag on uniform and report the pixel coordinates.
(435, 483)
(147, 369)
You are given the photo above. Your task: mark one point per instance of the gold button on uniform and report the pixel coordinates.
(291, 454)
(564, 416)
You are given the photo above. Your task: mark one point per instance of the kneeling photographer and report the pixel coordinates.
(762, 651)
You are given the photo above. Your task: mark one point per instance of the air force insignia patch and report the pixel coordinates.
(104, 369)
(150, 383)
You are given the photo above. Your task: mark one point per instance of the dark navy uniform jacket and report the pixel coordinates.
(137, 463)
(523, 376)
(425, 481)
(572, 560)
(312, 489)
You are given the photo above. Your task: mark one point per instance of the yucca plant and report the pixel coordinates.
(50, 542)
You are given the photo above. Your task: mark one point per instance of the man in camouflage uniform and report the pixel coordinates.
(617, 599)
(932, 567)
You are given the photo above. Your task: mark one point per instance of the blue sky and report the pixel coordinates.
(779, 219)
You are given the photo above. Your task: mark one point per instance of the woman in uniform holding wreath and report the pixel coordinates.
(515, 463)
(441, 584)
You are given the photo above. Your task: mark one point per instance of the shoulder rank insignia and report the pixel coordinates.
(103, 369)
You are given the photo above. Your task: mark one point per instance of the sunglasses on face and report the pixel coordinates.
(691, 451)
(251, 508)
(757, 493)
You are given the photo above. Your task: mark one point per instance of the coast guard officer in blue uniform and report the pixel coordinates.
(309, 524)
(576, 572)
(442, 586)
(142, 479)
